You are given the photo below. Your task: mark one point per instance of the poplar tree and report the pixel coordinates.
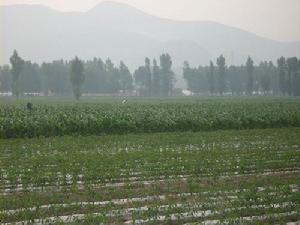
(222, 69)
(17, 64)
(250, 69)
(77, 77)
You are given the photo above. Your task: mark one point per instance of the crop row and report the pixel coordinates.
(235, 176)
(61, 161)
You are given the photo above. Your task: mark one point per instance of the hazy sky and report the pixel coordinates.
(275, 19)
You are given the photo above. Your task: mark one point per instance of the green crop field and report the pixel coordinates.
(111, 116)
(150, 161)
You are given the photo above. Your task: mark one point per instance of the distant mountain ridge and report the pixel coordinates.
(122, 32)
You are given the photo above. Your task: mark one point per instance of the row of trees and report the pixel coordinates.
(151, 79)
(248, 79)
(77, 76)
(63, 77)
(154, 80)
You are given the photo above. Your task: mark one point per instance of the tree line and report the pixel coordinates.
(64, 77)
(151, 79)
(248, 79)
(91, 76)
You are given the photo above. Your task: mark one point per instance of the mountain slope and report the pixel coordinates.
(122, 32)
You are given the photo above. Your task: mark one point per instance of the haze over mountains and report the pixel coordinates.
(122, 32)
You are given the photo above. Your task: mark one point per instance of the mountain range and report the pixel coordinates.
(121, 32)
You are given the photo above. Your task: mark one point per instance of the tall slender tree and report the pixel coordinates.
(211, 79)
(140, 80)
(125, 77)
(298, 79)
(167, 75)
(265, 76)
(112, 75)
(155, 79)
(77, 77)
(186, 70)
(281, 63)
(17, 64)
(292, 74)
(189, 76)
(143, 78)
(221, 62)
(195, 78)
(250, 69)
(148, 77)
(95, 76)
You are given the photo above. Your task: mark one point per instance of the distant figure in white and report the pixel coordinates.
(124, 101)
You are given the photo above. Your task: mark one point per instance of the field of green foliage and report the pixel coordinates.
(54, 118)
(216, 177)
(150, 161)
